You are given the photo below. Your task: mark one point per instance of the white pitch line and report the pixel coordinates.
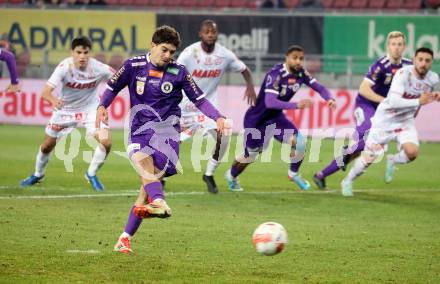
(135, 192)
(91, 251)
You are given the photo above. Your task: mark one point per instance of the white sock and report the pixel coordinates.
(97, 160)
(211, 167)
(291, 173)
(400, 158)
(358, 169)
(125, 235)
(41, 163)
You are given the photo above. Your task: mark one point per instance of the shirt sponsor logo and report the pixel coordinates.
(166, 87)
(206, 73)
(155, 73)
(79, 86)
(140, 86)
(143, 79)
(134, 64)
(154, 82)
(173, 70)
(116, 76)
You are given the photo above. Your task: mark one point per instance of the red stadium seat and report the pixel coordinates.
(412, 4)
(359, 4)
(111, 2)
(221, 3)
(252, 4)
(394, 4)
(172, 3)
(326, 3)
(189, 3)
(125, 2)
(207, 3)
(341, 4)
(142, 3)
(292, 4)
(376, 4)
(157, 3)
(239, 3)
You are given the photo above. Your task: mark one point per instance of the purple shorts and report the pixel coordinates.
(363, 112)
(162, 145)
(257, 137)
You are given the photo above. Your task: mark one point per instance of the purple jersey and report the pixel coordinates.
(380, 75)
(155, 93)
(278, 81)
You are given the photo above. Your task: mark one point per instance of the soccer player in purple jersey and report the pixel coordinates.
(9, 58)
(155, 82)
(372, 91)
(266, 119)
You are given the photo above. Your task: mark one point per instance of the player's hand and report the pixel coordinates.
(305, 103)
(57, 103)
(13, 88)
(101, 117)
(331, 103)
(250, 95)
(427, 98)
(436, 96)
(224, 126)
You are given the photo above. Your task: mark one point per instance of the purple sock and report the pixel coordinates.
(294, 167)
(234, 171)
(133, 223)
(154, 190)
(358, 147)
(330, 169)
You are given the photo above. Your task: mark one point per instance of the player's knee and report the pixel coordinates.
(107, 144)
(412, 153)
(372, 152)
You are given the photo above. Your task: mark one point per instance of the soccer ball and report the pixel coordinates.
(269, 238)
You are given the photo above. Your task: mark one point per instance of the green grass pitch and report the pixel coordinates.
(54, 233)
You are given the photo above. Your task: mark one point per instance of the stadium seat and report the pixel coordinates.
(394, 4)
(239, 4)
(252, 4)
(326, 3)
(207, 3)
(157, 3)
(359, 4)
(292, 4)
(112, 2)
(376, 4)
(221, 3)
(141, 3)
(412, 4)
(172, 3)
(189, 3)
(341, 4)
(125, 2)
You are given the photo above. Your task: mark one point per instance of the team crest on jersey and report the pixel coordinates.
(218, 61)
(166, 87)
(295, 87)
(140, 86)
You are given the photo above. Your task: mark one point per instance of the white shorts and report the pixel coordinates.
(383, 137)
(193, 123)
(62, 122)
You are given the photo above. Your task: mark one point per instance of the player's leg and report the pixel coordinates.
(363, 114)
(221, 145)
(408, 144)
(253, 146)
(103, 136)
(376, 141)
(43, 156)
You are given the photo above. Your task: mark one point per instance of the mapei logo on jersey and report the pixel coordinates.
(140, 86)
(206, 73)
(75, 85)
(166, 87)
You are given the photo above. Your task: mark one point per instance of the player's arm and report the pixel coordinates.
(197, 97)
(320, 89)
(236, 65)
(271, 93)
(115, 84)
(249, 94)
(397, 97)
(53, 100)
(9, 58)
(365, 89)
